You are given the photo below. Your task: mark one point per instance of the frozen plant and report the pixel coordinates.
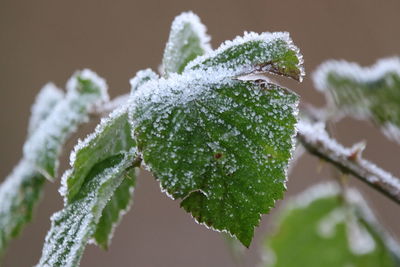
(219, 135)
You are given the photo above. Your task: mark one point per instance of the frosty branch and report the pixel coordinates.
(348, 160)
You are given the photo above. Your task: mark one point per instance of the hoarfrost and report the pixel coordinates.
(48, 97)
(187, 40)
(85, 90)
(73, 226)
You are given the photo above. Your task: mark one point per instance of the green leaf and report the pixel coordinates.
(47, 99)
(220, 145)
(322, 227)
(111, 137)
(254, 53)
(19, 195)
(112, 213)
(371, 93)
(73, 226)
(48, 131)
(85, 90)
(187, 40)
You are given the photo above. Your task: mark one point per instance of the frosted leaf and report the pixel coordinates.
(142, 77)
(220, 145)
(112, 136)
(48, 97)
(48, 131)
(371, 93)
(187, 40)
(254, 53)
(112, 214)
(323, 227)
(19, 194)
(85, 91)
(72, 227)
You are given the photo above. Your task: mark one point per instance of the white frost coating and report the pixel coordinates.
(179, 89)
(241, 69)
(86, 74)
(199, 28)
(76, 222)
(316, 134)
(104, 122)
(45, 101)
(313, 193)
(327, 225)
(43, 147)
(142, 77)
(9, 189)
(172, 55)
(354, 71)
(197, 25)
(121, 213)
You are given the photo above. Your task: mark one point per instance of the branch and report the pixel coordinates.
(349, 160)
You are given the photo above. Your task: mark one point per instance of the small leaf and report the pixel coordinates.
(254, 53)
(220, 145)
(21, 190)
(187, 40)
(371, 93)
(321, 227)
(72, 227)
(111, 137)
(19, 195)
(85, 90)
(112, 213)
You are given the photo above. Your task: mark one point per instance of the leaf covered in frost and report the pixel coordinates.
(112, 136)
(254, 53)
(364, 92)
(101, 160)
(187, 40)
(219, 144)
(322, 227)
(84, 90)
(72, 227)
(112, 213)
(19, 194)
(54, 118)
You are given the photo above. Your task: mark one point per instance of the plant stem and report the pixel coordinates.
(349, 160)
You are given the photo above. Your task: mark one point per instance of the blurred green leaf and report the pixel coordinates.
(371, 93)
(322, 227)
(54, 118)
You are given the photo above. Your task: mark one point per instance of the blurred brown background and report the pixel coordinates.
(47, 40)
